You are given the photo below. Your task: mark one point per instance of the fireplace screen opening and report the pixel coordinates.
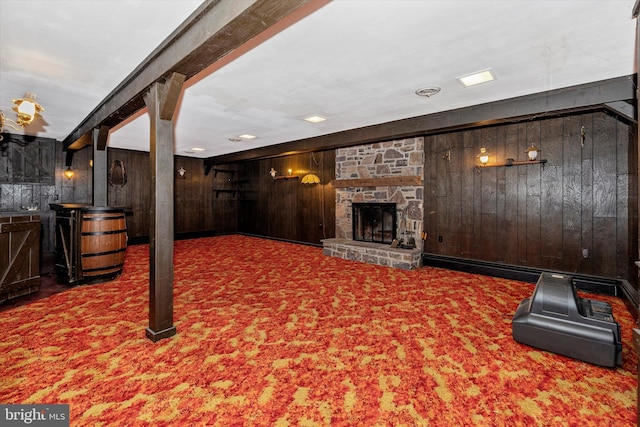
(374, 222)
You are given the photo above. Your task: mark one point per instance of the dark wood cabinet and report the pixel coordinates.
(28, 161)
(19, 255)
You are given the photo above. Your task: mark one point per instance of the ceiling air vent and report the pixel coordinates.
(428, 91)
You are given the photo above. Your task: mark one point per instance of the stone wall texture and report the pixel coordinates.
(404, 157)
(373, 253)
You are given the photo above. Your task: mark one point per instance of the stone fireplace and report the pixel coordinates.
(388, 172)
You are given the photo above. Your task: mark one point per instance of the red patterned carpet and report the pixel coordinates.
(276, 334)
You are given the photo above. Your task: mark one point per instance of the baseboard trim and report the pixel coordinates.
(280, 239)
(593, 284)
(630, 296)
(620, 288)
(143, 240)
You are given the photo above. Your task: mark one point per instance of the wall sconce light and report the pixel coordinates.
(182, 173)
(68, 172)
(532, 155)
(532, 152)
(274, 175)
(447, 155)
(27, 109)
(310, 178)
(483, 156)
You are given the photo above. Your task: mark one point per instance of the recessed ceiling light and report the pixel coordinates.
(315, 119)
(427, 91)
(246, 136)
(477, 78)
(197, 149)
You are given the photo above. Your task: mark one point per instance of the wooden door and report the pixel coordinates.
(19, 255)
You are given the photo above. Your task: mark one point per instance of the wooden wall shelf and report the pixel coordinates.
(511, 162)
(413, 180)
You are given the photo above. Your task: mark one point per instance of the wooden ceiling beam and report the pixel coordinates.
(585, 97)
(102, 137)
(215, 30)
(624, 109)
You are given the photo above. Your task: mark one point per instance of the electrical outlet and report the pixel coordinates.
(439, 239)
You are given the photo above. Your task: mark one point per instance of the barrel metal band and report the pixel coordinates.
(91, 270)
(102, 233)
(102, 218)
(116, 251)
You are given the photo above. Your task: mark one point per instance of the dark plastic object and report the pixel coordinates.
(556, 319)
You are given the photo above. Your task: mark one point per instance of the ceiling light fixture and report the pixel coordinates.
(315, 119)
(27, 109)
(427, 91)
(197, 149)
(477, 78)
(246, 136)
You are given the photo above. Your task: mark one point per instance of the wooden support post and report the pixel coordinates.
(68, 159)
(636, 332)
(100, 136)
(161, 102)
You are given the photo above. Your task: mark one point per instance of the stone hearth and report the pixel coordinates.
(372, 253)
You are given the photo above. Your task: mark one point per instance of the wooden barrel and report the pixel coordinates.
(103, 243)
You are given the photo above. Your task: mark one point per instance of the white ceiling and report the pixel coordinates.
(355, 62)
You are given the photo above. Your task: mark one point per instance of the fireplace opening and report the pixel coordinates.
(374, 222)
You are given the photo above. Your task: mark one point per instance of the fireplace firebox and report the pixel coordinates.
(374, 222)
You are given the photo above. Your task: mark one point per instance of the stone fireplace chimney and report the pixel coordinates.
(385, 172)
(401, 158)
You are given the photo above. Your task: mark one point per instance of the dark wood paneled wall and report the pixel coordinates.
(231, 198)
(34, 178)
(78, 189)
(286, 208)
(576, 214)
(22, 191)
(194, 197)
(238, 197)
(224, 198)
(133, 196)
